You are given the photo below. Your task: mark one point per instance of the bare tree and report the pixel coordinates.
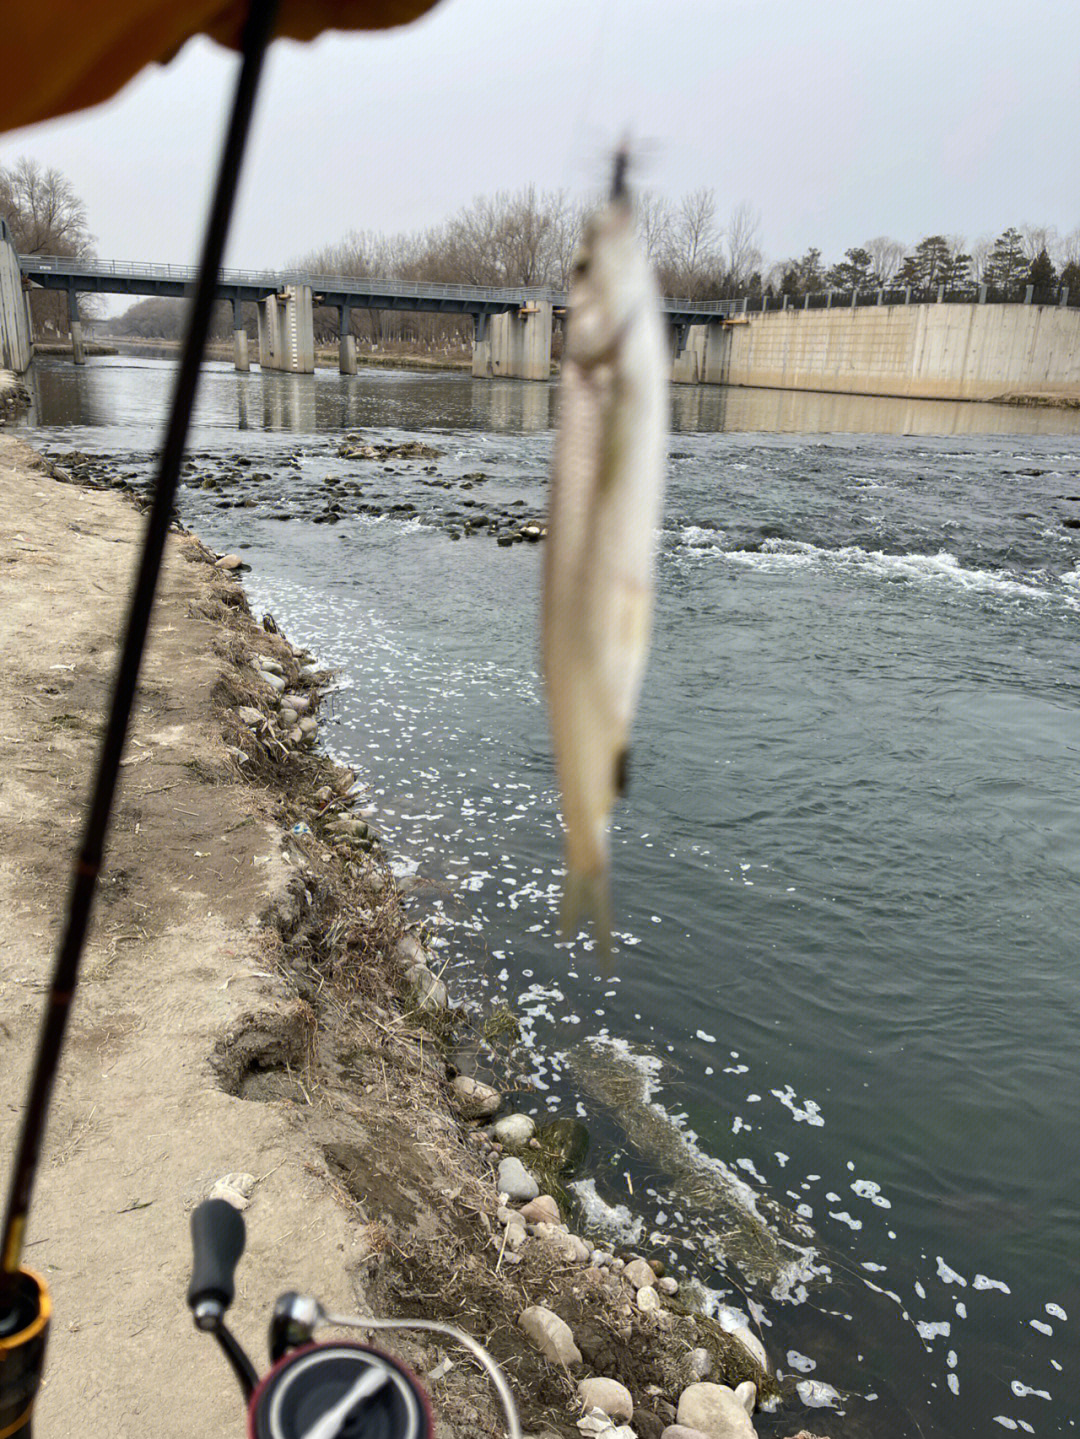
(1037, 238)
(46, 217)
(886, 255)
(742, 235)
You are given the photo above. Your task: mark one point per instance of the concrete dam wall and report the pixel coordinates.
(929, 351)
(15, 347)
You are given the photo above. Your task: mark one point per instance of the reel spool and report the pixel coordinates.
(24, 1333)
(341, 1389)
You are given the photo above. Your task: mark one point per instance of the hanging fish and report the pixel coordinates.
(607, 487)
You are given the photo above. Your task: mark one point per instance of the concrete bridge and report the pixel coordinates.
(513, 326)
(965, 344)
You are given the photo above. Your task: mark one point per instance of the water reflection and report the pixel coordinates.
(131, 392)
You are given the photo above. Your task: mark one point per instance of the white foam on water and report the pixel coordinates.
(800, 1362)
(1056, 1311)
(610, 1219)
(982, 1282)
(816, 1394)
(942, 569)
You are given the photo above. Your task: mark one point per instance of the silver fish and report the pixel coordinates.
(607, 487)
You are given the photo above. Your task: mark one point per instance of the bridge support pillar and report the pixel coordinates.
(481, 353)
(346, 342)
(240, 349)
(689, 363)
(520, 343)
(78, 348)
(717, 353)
(286, 331)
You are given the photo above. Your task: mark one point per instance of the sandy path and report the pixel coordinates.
(139, 1128)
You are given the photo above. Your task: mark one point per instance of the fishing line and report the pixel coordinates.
(257, 33)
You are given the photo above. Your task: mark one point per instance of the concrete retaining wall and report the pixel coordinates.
(944, 351)
(15, 347)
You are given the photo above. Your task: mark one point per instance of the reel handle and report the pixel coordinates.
(217, 1239)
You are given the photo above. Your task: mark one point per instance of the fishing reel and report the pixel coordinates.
(334, 1389)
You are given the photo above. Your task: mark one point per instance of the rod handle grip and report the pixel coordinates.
(217, 1239)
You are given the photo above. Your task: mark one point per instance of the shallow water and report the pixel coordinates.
(845, 875)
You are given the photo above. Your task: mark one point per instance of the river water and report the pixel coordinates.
(839, 1042)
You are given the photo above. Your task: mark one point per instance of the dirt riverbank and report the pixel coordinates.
(251, 1004)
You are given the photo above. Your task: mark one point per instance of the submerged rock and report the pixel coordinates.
(566, 1140)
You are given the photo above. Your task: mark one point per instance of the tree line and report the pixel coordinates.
(528, 238)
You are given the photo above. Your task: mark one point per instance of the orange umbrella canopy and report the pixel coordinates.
(62, 55)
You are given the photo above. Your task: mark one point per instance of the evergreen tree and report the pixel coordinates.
(1042, 273)
(1006, 271)
(929, 264)
(1070, 277)
(854, 272)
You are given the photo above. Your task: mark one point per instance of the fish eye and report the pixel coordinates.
(580, 268)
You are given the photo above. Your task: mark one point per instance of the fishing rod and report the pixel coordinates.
(314, 1390)
(25, 1305)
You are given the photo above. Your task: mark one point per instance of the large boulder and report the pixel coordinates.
(717, 1411)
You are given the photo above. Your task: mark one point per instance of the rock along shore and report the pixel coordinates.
(255, 1015)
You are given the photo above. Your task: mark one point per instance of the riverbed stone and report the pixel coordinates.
(639, 1274)
(667, 1285)
(541, 1210)
(506, 1216)
(515, 1181)
(250, 716)
(717, 1411)
(288, 716)
(230, 562)
(648, 1301)
(568, 1246)
(514, 1129)
(699, 1365)
(474, 1099)
(607, 1395)
(680, 1431)
(552, 1336)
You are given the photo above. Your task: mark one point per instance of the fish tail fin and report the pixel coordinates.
(585, 896)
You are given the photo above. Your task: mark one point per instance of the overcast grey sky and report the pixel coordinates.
(836, 122)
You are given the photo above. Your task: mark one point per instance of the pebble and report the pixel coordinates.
(308, 726)
(250, 716)
(473, 1099)
(509, 1216)
(288, 716)
(514, 1129)
(668, 1285)
(272, 666)
(300, 703)
(639, 1274)
(647, 1299)
(607, 1395)
(699, 1365)
(680, 1431)
(236, 1189)
(515, 1181)
(602, 1259)
(409, 950)
(276, 683)
(541, 1210)
(568, 1245)
(552, 1336)
(717, 1411)
(516, 1236)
